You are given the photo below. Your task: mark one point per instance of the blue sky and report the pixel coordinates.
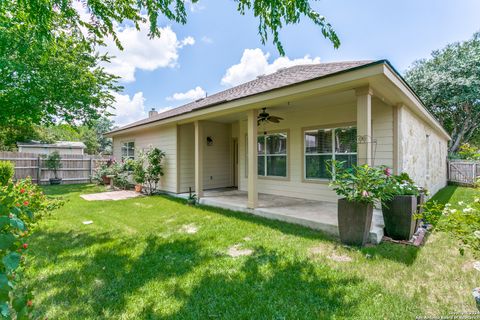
(197, 58)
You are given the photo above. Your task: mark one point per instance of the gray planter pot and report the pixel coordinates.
(54, 181)
(398, 217)
(420, 202)
(354, 221)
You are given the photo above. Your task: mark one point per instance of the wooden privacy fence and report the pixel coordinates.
(75, 168)
(463, 172)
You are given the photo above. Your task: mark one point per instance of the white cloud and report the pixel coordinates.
(141, 52)
(128, 110)
(192, 94)
(254, 62)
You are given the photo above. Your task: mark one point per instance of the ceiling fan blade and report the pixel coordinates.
(275, 117)
(273, 120)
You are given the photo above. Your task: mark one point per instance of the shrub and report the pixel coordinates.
(432, 212)
(152, 160)
(22, 204)
(6, 172)
(53, 162)
(396, 185)
(358, 183)
(468, 152)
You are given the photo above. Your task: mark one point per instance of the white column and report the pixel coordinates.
(252, 159)
(198, 159)
(364, 125)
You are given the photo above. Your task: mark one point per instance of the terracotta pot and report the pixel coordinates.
(106, 180)
(138, 188)
(354, 221)
(398, 217)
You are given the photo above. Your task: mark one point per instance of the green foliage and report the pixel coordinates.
(49, 70)
(21, 205)
(464, 224)
(272, 16)
(449, 85)
(432, 212)
(468, 152)
(152, 164)
(397, 185)
(357, 183)
(6, 172)
(139, 172)
(53, 162)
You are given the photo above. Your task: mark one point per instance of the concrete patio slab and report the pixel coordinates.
(111, 195)
(318, 215)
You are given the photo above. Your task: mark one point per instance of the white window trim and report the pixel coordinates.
(333, 153)
(265, 176)
(122, 148)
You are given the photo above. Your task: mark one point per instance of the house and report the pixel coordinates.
(358, 112)
(63, 147)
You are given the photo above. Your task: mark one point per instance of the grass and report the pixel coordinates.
(134, 262)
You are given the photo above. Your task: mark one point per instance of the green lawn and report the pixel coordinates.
(136, 262)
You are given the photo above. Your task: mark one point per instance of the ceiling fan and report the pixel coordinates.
(264, 117)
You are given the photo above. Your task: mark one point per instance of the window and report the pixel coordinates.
(272, 155)
(328, 144)
(128, 150)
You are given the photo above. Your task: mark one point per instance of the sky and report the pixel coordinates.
(218, 48)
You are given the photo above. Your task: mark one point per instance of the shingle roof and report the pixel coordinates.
(282, 78)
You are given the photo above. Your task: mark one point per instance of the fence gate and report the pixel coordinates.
(463, 172)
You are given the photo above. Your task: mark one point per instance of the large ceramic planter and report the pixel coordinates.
(420, 202)
(398, 217)
(138, 188)
(354, 221)
(55, 181)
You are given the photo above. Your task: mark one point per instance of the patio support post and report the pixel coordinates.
(198, 159)
(364, 125)
(252, 159)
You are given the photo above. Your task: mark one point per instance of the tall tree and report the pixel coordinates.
(449, 85)
(46, 77)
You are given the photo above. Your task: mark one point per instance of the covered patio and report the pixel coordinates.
(318, 215)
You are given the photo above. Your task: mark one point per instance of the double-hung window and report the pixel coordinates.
(128, 150)
(272, 155)
(323, 145)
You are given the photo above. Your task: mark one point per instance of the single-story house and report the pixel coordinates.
(63, 147)
(274, 135)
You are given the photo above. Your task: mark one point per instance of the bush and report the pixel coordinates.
(53, 162)
(358, 183)
(468, 152)
(6, 172)
(153, 168)
(22, 204)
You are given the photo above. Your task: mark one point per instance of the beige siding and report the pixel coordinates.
(186, 157)
(50, 150)
(294, 123)
(216, 163)
(423, 152)
(164, 138)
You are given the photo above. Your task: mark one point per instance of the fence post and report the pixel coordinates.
(39, 170)
(91, 168)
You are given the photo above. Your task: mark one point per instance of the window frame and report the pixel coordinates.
(286, 155)
(333, 153)
(124, 158)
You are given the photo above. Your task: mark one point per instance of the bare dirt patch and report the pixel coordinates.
(236, 251)
(189, 228)
(339, 257)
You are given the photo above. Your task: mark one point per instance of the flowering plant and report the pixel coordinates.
(399, 185)
(21, 205)
(357, 183)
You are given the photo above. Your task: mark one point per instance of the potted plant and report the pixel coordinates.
(53, 162)
(400, 206)
(359, 187)
(192, 197)
(138, 175)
